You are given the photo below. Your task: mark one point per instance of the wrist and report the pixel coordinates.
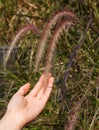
(9, 122)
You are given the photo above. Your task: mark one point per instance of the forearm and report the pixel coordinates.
(9, 123)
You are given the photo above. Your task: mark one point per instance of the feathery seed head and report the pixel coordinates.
(63, 14)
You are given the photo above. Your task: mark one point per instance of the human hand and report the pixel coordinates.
(22, 109)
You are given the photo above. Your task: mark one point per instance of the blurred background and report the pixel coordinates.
(76, 92)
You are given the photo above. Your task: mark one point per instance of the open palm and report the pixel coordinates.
(26, 108)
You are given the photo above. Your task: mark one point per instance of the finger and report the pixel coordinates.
(48, 90)
(44, 85)
(24, 89)
(37, 87)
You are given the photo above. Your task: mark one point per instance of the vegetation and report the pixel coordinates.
(74, 103)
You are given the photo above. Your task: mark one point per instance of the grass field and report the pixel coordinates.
(75, 98)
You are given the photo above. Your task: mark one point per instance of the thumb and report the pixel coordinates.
(24, 89)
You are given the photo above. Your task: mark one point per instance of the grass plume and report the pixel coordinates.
(67, 14)
(52, 45)
(17, 37)
(73, 116)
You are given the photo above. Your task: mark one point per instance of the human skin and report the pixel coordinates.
(24, 108)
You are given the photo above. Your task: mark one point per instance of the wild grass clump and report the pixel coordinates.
(67, 19)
